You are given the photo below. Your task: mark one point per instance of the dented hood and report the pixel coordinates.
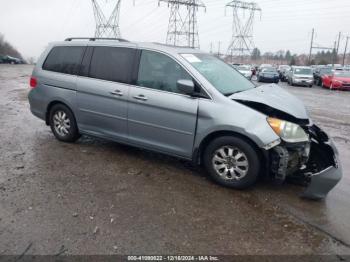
(274, 96)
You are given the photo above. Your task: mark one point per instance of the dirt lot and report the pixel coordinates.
(98, 197)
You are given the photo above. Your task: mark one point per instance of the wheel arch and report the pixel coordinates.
(50, 105)
(198, 152)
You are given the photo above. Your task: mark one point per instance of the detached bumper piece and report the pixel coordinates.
(314, 165)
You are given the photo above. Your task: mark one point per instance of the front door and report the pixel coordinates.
(159, 116)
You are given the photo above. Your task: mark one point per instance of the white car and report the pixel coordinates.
(245, 70)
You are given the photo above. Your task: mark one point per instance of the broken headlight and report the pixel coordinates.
(289, 132)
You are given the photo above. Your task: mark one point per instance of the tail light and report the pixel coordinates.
(33, 82)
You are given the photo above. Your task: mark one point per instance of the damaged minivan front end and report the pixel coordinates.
(313, 162)
(304, 154)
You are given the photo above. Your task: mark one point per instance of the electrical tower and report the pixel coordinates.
(182, 28)
(242, 28)
(107, 27)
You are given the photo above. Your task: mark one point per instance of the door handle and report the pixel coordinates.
(116, 93)
(141, 97)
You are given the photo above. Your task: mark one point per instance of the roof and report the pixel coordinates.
(124, 43)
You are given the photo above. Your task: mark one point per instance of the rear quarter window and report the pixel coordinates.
(64, 59)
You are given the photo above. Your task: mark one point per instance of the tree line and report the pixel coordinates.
(320, 58)
(7, 49)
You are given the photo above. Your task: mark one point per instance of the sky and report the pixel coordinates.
(284, 24)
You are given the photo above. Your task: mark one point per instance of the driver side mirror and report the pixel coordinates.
(185, 86)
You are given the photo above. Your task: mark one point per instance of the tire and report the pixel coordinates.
(242, 152)
(63, 124)
(310, 86)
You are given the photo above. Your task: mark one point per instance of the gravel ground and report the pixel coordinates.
(99, 197)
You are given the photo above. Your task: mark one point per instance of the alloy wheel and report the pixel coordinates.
(230, 163)
(61, 123)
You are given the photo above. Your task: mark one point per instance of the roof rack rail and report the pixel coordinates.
(95, 38)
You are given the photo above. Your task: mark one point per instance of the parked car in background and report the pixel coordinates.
(339, 80)
(301, 75)
(282, 69)
(11, 60)
(320, 72)
(245, 70)
(334, 65)
(269, 75)
(177, 101)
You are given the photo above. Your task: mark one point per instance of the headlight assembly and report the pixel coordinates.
(288, 131)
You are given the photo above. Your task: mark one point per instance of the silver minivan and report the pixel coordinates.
(184, 103)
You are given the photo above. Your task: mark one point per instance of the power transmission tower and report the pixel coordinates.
(107, 27)
(183, 28)
(242, 28)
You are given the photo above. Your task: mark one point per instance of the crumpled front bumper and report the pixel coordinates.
(324, 181)
(314, 164)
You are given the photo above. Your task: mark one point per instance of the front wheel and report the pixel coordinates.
(232, 162)
(63, 124)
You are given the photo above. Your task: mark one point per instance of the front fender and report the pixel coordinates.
(235, 117)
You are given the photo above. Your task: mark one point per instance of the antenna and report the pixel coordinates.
(183, 28)
(107, 28)
(242, 28)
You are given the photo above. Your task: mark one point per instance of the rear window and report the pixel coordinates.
(112, 63)
(64, 59)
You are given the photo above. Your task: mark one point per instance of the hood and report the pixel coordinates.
(275, 97)
(343, 79)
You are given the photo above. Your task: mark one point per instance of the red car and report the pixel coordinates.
(339, 80)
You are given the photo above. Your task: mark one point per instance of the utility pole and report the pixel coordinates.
(242, 28)
(339, 36)
(182, 27)
(333, 49)
(346, 47)
(219, 46)
(337, 51)
(107, 27)
(312, 43)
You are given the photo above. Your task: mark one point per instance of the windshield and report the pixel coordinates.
(269, 70)
(302, 71)
(223, 77)
(284, 67)
(342, 73)
(243, 68)
(326, 71)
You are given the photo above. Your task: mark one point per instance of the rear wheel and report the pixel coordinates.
(63, 124)
(232, 162)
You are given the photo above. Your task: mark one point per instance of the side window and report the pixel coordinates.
(112, 63)
(64, 59)
(160, 72)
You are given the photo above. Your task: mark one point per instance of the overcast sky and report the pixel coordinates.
(285, 24)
